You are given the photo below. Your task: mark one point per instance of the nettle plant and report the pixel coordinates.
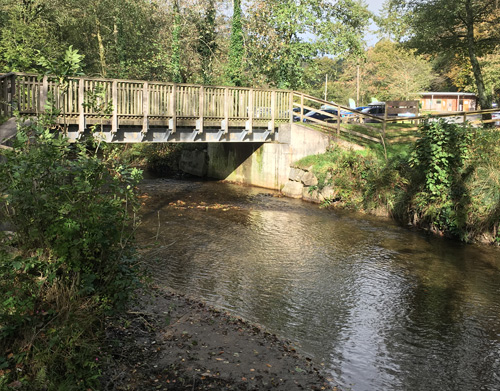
(439, 161)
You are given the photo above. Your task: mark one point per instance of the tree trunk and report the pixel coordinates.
(484, 100)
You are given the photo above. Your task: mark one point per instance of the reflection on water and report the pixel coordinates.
(382, 307)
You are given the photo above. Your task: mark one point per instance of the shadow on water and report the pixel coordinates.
(384, 308)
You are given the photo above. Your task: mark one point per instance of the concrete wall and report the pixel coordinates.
(268, 164)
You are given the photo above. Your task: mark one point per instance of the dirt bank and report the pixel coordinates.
(170, 342)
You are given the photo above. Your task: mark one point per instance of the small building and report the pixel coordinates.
(448, 101)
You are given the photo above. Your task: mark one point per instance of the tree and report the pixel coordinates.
(26, 35)
(464, 27)
(207, 44)
(387, 71)
(284, 36)
(236, 46)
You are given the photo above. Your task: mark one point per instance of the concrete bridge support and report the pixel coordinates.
(259, 164)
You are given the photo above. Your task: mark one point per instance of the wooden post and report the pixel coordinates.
(13, 99)
(251, 93)
(465, 117)
(145, 107)
(273, 110)
(4, 99)
(384, 126)
(43, 94)
(114, 97)
(301, 107)
(81, 108)
(290, 106)
(338, 120)
(173, 109)
(201, 110)
(226, 110)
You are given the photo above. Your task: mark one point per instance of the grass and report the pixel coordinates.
(365, 180)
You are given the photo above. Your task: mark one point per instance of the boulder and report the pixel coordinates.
(296, 174)
(309, 179)
(293, 189)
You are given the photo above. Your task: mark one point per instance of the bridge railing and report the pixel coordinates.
(365, 128)
(132, 102)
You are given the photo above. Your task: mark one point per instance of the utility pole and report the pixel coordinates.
(357, 85)
(326, 83)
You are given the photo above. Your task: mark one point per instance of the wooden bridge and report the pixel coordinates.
(144, 111)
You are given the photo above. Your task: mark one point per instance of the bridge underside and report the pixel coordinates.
(185, 132)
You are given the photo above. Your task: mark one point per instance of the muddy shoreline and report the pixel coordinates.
(168, 341)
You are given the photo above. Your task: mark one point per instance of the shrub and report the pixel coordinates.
(68, 261)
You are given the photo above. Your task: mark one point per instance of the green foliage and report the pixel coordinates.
(236, 49)
(26, 35)
(440, 156)
(68, 261)
(284, 36)
(207, 44)
(163, 159)
(448, 182)
(176, 46)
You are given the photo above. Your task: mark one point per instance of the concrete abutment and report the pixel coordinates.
(258, 164)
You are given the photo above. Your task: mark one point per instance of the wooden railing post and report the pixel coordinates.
(145, 108)
(301, 107)
(384, 127)
(13, 98)
(249, 125)
(43, 94)
(273, 110)
(5, 97)
(338, 120)
(290, 106)
(114, 99)
(226, 110)
(81, 101)
(173, 110)
(201, 110)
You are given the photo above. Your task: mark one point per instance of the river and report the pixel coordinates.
(384, 308)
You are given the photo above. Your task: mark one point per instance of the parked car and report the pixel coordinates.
(321, 116)
(296, 113)
(377, 109)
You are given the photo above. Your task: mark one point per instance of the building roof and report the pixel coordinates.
(471, 94)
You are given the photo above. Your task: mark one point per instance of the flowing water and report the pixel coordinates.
(382, 307)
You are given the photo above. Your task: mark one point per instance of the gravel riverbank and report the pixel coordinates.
(171, 342)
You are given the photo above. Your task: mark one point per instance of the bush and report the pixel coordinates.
(449, 183)
(67, 263)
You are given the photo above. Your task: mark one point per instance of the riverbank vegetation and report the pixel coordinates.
(67, 258)
(448, 181)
